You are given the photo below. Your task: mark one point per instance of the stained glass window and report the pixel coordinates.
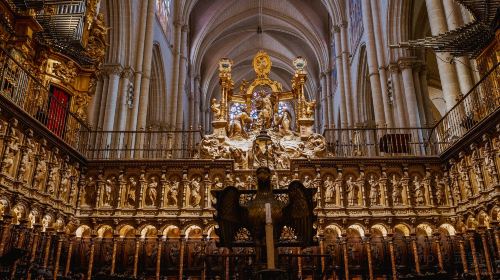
(281, 107)
(163, 8)
(235, 110)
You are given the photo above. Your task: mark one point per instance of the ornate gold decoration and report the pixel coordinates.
(262, 64)
(65, 71)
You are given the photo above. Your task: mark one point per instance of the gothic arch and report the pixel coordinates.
(157, 91)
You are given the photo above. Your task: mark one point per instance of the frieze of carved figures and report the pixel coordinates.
(89, 191)
(307, 182)
(108, 189)
(74, 179)
(238, 183)
(489, 164)
(361, 187)
(454, 185)
(11, 149)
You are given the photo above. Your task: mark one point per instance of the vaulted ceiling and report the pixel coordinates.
(228, 28)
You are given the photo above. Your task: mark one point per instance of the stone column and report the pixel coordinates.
(381, 62)
(111, 96)
(93, 110)
(462, 64)
(139, 56)
(419, 93)
(410, 94)
(182, 77)
(102, 102)
(175, 74)
(371, 49)
(322, 92)
(351, 108)
(398, 96)
(344, 116)
(447, 72)
(146, 67)
(329, 99)
(429, 118)
(124, 91)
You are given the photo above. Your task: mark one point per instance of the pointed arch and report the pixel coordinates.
(157, 90)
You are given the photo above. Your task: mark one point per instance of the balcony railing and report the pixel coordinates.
(367, 142)
(479, 103)
(122, 145)
(24, 90)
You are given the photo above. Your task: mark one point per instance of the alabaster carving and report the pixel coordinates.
(419, 191)
(107, 195)
(26, 163)
(397, 190)
(53, 179)
(40, 171)
(440, 191)
(352, 189)
(374, 184)
(64, 185)
(89, 193)
(171, 192)
(194, 196)
(131, 192)
(215, 106)
(152, 191)
(330, 192)
(11, 150)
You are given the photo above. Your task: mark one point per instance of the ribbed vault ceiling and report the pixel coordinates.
(228, 28)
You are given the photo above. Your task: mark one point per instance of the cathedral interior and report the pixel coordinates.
(123, 121)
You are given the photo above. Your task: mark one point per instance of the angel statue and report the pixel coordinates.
(216, 109)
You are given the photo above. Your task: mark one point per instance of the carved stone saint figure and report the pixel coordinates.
(329, 190)
(489, 164)
(108, 192)
(152, 192)
(195, 197)
(131, 191)
(53, 178)
(10, 153)
(307, 181)
(217, 183)
(173, 193)
(397, 190)
(64, 186)
(352, 192)
(40, 172)
(374, 191)
(88, 197)
(439, 191)
(419, 191)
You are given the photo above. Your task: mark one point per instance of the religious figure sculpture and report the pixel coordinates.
(440, 191)
(108, 191)
(89, 191)
(195, 197)
(397, 190)
(64, 186)
(10, 152)
(352, 191)
(419, 191)
(265, 107)
(307, 181)
(26, 160)
(53, 178)
(309, 108)
(489, 164)
(131, 191)
(329, 190)
(152, 192)
(374, 191)
(216, 109)
(172, 191)
(40, 172)
(217, 183)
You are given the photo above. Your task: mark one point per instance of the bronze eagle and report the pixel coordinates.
(296, 213)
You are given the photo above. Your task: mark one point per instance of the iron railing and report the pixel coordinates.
(18, 85)
(168, 144)
(368, 142)
(479, 103)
